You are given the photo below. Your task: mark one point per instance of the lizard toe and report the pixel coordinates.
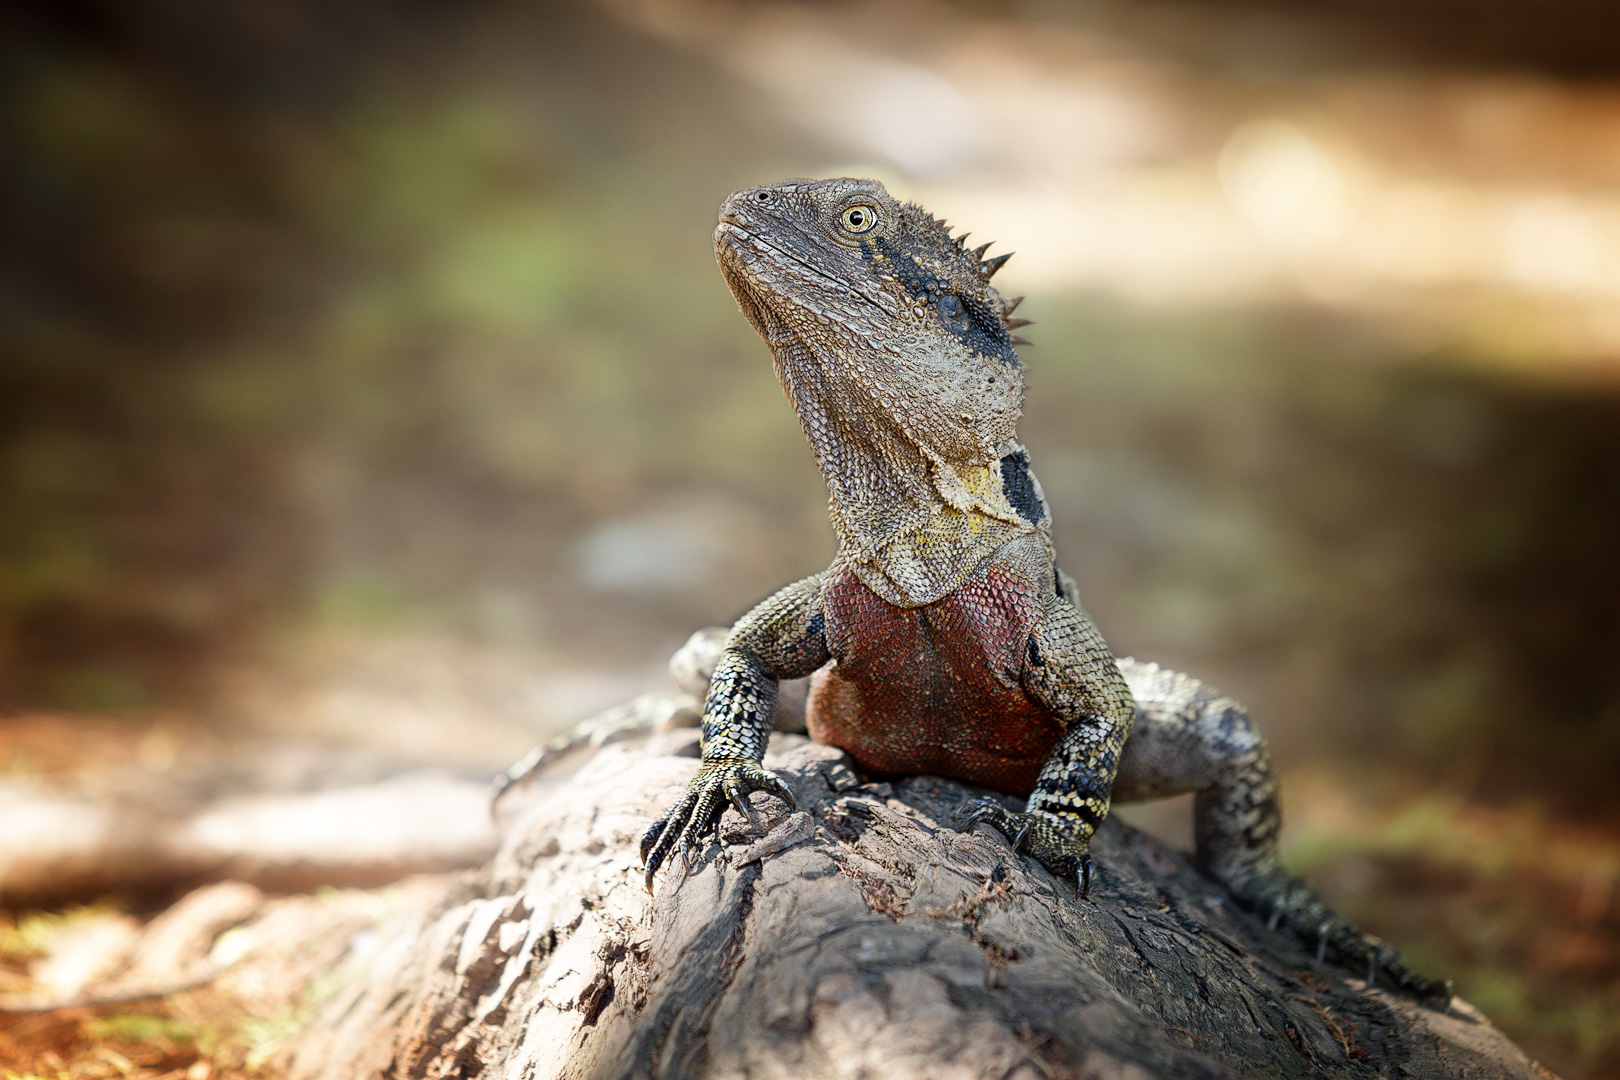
(1059, 843)
(659, 839)
(988, 811)
(650, 837)
(683, 827)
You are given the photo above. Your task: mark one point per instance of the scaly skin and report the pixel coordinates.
(944, 638)
(782, 638)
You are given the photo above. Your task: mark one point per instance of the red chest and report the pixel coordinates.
(934, 689)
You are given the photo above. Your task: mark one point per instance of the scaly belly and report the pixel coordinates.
(934, 689)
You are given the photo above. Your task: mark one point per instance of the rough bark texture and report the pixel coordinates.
(863, 936)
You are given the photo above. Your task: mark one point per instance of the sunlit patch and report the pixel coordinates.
(1417, 200)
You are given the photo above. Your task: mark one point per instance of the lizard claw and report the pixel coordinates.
(650, 837)
(699, 808)
(990, 812)
(1061, 844)
(776, 786)
(734, 792)
(737, 792)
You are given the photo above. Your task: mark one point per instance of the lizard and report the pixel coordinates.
(944, 638)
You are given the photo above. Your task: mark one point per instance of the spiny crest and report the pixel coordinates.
(930, 239)
(967, 270)
(1013, 323)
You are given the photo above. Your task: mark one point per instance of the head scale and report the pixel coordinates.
(881, 295)
(897, 353)
(897, 255)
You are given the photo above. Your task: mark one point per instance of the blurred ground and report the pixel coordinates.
(368, 385)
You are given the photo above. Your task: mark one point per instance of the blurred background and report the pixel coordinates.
(368, 391)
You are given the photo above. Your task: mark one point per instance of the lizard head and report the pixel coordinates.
(790, 251)
(897, 355)
(877, 303)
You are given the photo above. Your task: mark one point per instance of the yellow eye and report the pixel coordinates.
(859, 219)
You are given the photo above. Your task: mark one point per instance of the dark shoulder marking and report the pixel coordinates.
(1020, 489)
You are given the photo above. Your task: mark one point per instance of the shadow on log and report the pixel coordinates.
(863, 936)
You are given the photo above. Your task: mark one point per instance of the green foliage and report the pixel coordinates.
(149, 1029)
(262, 1037)
(31, 934)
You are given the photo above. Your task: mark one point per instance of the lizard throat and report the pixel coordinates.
(972, 512)
(913, 432)
(911, 524)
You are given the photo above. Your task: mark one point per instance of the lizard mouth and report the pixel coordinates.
(728, 237)
(731, 236)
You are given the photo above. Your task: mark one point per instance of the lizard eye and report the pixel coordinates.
(859, 219)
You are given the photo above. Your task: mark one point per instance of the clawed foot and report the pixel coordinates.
(1061, 844)
(1286, 900)
(700, 808)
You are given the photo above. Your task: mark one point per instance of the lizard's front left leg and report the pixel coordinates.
(783, 638)
(1068, 669)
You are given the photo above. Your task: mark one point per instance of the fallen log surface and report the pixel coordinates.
(862, 936)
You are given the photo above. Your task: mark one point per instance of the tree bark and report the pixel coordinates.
(862, 936)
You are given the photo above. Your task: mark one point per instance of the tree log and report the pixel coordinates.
(862, 936)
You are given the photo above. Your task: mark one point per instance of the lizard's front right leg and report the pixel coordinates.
(782, 638)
